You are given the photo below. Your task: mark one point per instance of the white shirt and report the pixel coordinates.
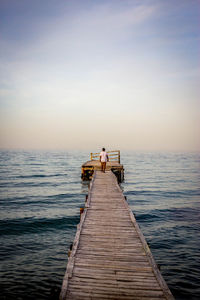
(103, 156)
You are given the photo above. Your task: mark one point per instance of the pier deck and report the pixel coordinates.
(110, 258)
(113, 164)
(89, 167)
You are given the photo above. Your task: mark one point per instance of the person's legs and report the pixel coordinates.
(103, 166)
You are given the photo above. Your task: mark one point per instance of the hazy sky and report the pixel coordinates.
(85, 74)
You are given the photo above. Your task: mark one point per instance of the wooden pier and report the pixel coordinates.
(110, 258)
(113, 164)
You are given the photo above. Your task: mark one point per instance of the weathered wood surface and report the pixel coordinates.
(89, 167)
(110, 258)
(97, 165)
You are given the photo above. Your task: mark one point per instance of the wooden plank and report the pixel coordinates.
(132, 284)
(80, 295)
(118, 275)
(112, 291)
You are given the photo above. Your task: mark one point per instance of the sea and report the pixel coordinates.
(41, 193)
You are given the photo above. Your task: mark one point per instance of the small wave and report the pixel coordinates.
(64, 196)
(31, 225)
(41, 176)
(35, 164)
(29, 184)
(184, 214)
(29, 200)
(165, 194)
(150, 217)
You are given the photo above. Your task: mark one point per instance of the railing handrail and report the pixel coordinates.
(114, 155)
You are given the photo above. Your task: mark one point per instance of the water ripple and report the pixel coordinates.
(41, 193)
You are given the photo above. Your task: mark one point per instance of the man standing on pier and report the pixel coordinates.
(103, 159)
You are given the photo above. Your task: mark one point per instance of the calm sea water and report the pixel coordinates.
(41, 193)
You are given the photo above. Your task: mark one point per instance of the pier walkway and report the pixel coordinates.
(110, 258)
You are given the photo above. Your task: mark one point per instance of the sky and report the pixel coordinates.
(87, 74)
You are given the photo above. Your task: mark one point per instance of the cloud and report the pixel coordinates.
(85, 30)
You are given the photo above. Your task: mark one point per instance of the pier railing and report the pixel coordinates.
(113, 155)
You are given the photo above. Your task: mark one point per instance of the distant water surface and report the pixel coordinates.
(41, 193)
